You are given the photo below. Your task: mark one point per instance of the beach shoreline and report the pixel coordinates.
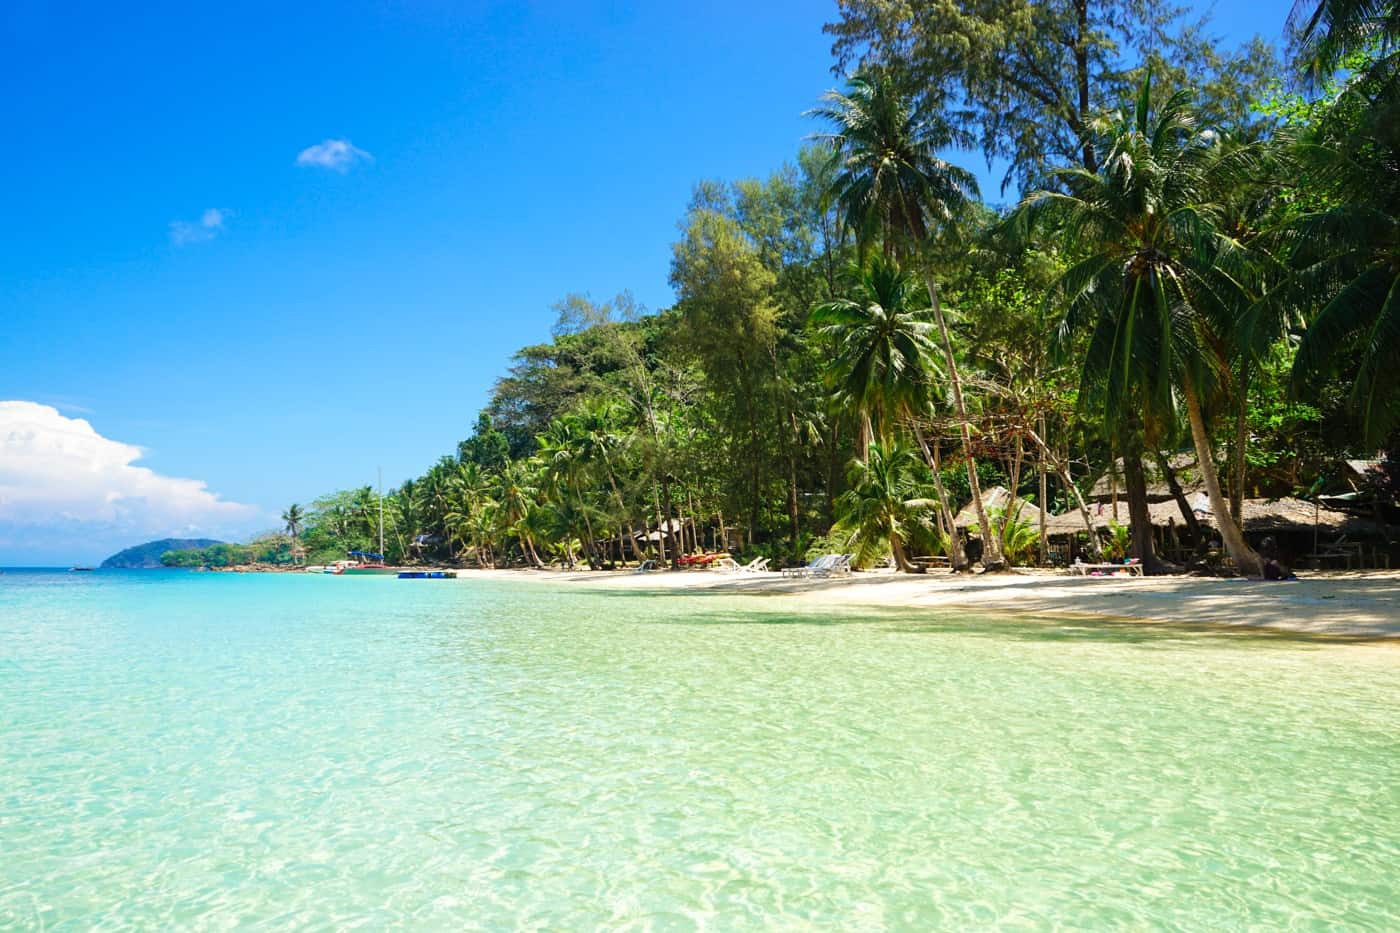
(1344, 604)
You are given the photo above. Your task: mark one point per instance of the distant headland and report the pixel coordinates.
(147, 556)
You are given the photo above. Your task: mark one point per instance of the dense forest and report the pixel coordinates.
(1199, 264)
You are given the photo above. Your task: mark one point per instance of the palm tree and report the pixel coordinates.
(517, 491)
(892, 183)
(293, 519)
(603, 443)
(470, 514)
(1018, 536)
(883, 347)
(884, 365)
(570, 521)
(1333, 29)
(884, 503)
(434, 495)
(365, 507)
(1160, 288)
(1344, 259)
(563, 450)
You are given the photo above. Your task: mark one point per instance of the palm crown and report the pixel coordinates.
(1160, 282)
(883, 363)
(892, 181)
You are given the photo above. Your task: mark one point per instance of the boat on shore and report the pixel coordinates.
(81, 569)
(366, 563)
(360, 563)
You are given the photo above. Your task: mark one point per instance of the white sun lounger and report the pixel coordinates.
(806, 570)
(1087, 570)
(840, 566)
(825, 566)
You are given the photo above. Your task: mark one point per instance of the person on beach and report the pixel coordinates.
(1273, 570)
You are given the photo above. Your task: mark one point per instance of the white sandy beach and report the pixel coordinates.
(1342, 604)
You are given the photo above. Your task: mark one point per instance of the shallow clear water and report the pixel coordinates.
(199, 751)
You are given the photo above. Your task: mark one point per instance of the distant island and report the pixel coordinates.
(147, 556)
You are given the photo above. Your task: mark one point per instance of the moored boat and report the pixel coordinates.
(367, 563)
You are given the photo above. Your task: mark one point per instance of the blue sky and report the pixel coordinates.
(172, 275)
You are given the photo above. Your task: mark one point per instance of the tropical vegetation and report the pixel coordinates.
(1200, 255)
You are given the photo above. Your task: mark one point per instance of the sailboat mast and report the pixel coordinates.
(381, 513)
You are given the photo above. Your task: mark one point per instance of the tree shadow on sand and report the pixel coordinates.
(991, 623)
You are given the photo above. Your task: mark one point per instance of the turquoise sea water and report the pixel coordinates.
(206, 750)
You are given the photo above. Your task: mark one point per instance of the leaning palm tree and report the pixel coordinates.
(1160, 287)
(892, 184)
(884, 503)
(293, 519)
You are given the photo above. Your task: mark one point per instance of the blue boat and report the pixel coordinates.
(427, 575)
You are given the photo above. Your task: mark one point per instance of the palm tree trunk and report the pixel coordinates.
(1237, 459)
(1113, 480)
(622, 510)
(786, 445)
(940, 515)
(590, 547)
(1139, 518)
(670, 532)
(957, 558)
(695, 522)
(1062, 471)
(1010, 512)
(529, 548)
(901, 559)
(863, 437)
(991, 550)
(1244, 556)
(1188, 515)
(833, 467)
(660, 525)
(1042, 491)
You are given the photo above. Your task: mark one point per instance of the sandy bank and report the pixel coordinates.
(1365, 605)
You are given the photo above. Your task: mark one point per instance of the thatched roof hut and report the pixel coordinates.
(1182, 464)
(997, 498)
(1260, 516)
(1072, 523)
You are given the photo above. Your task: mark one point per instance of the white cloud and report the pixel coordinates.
(59, 476)
(209, 225)
(338, 155)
